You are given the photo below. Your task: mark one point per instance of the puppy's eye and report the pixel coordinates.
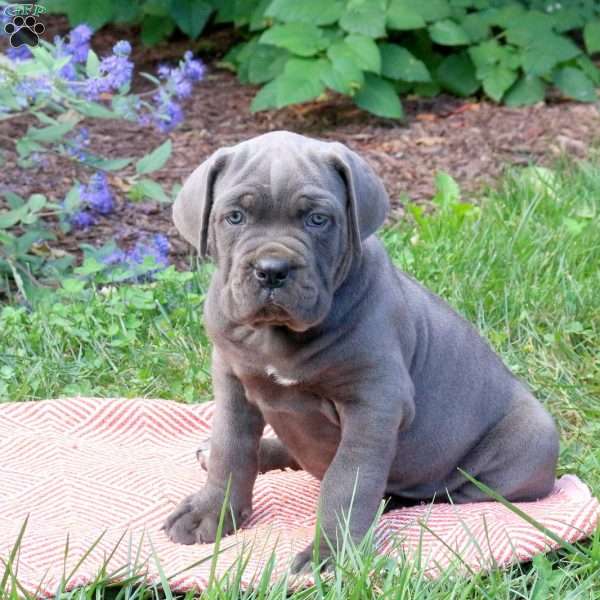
(235, 217)
(316, 220)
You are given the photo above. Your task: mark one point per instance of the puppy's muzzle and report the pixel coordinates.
(272, 272)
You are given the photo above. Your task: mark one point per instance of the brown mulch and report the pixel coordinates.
(471, 140)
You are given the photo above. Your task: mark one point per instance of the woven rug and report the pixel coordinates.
(82, 467)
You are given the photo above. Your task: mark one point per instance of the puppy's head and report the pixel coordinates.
(283, 216)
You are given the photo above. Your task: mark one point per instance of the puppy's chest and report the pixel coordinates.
(275, 389)
(269, 374)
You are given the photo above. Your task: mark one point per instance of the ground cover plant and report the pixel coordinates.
(376, 51)
(521, 265)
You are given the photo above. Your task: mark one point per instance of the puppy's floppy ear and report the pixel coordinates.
(368, 202)
(191, 210)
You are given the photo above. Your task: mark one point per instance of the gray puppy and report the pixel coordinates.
(372, 383)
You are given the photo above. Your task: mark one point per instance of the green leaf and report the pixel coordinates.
(265, 63)
(399, 63)
(431, 10)
(591, 36)
(457, 74)
(489, 53)
(108, 164)
(150, 189)
(358, 48)
(92, 64)
(73, 199)
(447, 190)
(315, 12)
(52, 133)
(95, 14)
(528, 90)
(156, 8)
(266, 97)
(12, 217)
(589, 68)
(13, 200)
(156, 28)
(302, 39)
(448, 33)
(427, 90)
(475, 26)
(190, 15)
(155, 160)
(94, 110)
(525, 27)
(364, 17)
(300, 81)
(44, 118)
(498, 80)
(258, 19)
(89, 267)
(343, 76)
(403, 17)
(26, 146)
(379, 97)
(574, 83)
(542, 54)
(36, 202)
(73, 286)
(241, 55)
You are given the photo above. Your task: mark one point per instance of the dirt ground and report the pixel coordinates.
(470, 139)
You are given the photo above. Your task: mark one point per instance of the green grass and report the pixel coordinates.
(523, 266)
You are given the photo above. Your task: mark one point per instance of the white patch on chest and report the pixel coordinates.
(272, 372)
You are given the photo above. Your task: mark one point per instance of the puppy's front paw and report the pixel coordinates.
(196, 519)
(302, 563)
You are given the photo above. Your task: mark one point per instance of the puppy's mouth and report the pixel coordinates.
(272, 312)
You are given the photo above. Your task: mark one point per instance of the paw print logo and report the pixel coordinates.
(24, 31)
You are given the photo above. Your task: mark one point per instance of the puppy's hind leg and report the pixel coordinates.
(520, 456)
(272, 455)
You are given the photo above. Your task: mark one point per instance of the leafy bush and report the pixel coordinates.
(376, 50)
(157, 18)
(60, 85)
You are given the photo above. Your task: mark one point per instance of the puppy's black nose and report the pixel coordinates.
(271, 272)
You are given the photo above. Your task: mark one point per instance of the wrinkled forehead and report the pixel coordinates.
(281, 168)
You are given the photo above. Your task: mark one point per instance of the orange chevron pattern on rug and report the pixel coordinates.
(115, 468)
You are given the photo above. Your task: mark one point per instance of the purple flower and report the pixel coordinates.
(163, 71)
(82, 219)
(115, 72)
(155, 247)
(79, 43)
(162, 244)
(181, 86)
(77, 144)
(116, 257)
(117, 67)
(61, 50)
(168, 113)
(122, 48)
(193, 69)
(97, 194)
(95, 86)
(179, 80)
(19, 53)
(33, 88)
(38, 159)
